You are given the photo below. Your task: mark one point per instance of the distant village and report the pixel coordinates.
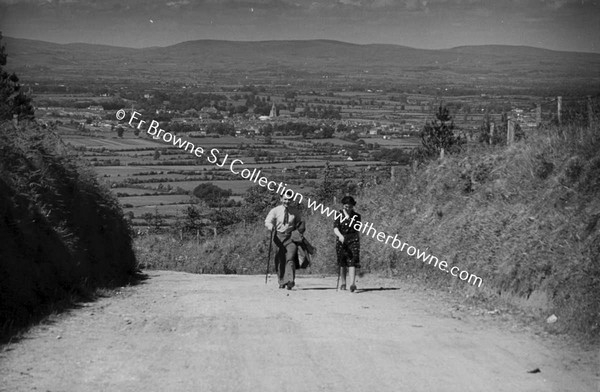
(401, 117)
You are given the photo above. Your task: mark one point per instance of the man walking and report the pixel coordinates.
(285, 219)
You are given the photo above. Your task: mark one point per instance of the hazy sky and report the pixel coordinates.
(572, 25)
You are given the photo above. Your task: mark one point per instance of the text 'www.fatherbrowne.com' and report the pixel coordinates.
(235, 166)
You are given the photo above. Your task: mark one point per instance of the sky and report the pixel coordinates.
(572, 25)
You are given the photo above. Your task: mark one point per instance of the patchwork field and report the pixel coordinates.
(150, 176)
(111, 143)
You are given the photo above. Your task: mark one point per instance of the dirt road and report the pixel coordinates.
(185, 332)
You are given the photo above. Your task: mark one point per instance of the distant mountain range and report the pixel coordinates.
(320, 62)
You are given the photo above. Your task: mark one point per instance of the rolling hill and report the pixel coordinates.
(312, 62)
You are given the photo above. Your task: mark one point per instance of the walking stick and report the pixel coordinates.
(337, 285)
(269, 255)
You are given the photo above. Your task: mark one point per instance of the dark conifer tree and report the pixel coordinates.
(12, 99)
(439, 134)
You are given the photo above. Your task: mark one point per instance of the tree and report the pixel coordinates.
(351, 137)
(328, 132)
(325, 192)
(154, 221)
(257, 201)
(223, 218)
(342, 128)
(353, 152)
(439, 134)
(120, 131)
(211, 194)
(193, 220)
(221, 128)
(392, 155)
(12, 99)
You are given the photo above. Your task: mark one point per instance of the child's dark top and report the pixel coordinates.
(348, 231)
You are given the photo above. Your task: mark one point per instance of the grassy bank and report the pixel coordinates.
(523, 218)
(62, 235)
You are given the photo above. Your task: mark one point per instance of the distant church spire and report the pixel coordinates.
(273, 111)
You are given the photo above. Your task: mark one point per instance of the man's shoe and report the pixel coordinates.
(352, 288)
(343, 287)
(281, 286)
(290, 285)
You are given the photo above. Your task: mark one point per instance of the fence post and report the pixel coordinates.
(590, 112)
(538, 114)
(510, 132)
(559, 110)
(492, 128)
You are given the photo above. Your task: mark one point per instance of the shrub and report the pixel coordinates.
(62, 233)
(573, 170)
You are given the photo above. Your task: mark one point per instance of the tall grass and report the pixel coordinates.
(523, 217)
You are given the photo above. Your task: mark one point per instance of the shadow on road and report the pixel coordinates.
(316, 288)
(70, 299)
(358, 291)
